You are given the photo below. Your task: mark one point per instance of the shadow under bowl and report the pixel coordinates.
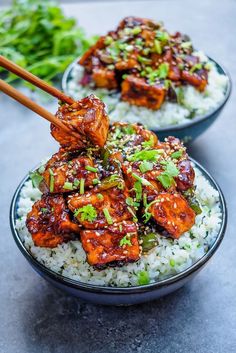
(187, 131)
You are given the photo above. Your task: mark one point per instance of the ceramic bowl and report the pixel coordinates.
(113, 295)
(187, 131)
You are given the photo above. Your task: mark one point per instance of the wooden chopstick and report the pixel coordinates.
(36, 81)
(27, 102)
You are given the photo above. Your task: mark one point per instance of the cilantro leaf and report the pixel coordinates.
(145, 166)
(145, 155)
(86, 213)
(125, 241)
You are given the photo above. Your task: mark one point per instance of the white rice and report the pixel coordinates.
(169, 113)
(168, 258)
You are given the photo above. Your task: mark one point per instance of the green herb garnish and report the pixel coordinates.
(145, 166)
(52, 180)
(81, 189)
(143, 278)
(149, 143)
(162, 36)
(163, 70)
(125, 241)
(68, 186)
(36, 35)
(195, 67)
(91, 169)
(157, 46)
(86, 213)
(138, 190)
(145, 155)
(36, 178)
(76, 183)
(166, 178)
(177, 154)
(136, 30)
(142, 180)
(107, 216)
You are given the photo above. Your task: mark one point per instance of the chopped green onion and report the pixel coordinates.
(143, 278)
(135, 219)
(76, 183)
(52, 179)
(44, 210)
(136, 30)
(186, 45)
(68, 186)
(143, 60)
(157, 46)
(138, 190)
(177, 154)
(108, 40)
(81, 189)
(107, 216)
(149, 143)
(195, 67)
(142, 180)
(95, 181)
(163, 70)
(129, 201)
(91, 169)
(100, 197)
(145, 200)
(162, 36)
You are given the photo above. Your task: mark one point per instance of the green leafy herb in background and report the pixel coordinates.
(36, 35)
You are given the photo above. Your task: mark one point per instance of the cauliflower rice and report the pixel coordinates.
(170, 257)
(195, 103)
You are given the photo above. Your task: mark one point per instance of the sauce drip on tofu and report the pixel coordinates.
(115, 195)
(144, 62)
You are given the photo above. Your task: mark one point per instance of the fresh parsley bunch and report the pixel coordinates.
(36, 35)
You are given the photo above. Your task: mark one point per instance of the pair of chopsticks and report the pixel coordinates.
(36, 81)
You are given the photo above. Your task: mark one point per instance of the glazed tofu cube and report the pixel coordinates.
(87, 117)
(173, 213)
(88, 57)
(97, 209)
(137, 91)
(197, 79)
(104, 78)
(67, 176)
(115, 245)
(49, 222)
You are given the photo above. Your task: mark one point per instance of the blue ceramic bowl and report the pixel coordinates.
(187, 131)
(119, 296)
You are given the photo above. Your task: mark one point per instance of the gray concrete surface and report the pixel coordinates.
(201, 317)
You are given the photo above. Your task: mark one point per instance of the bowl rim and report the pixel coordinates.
(178, 127)
(121, 290)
